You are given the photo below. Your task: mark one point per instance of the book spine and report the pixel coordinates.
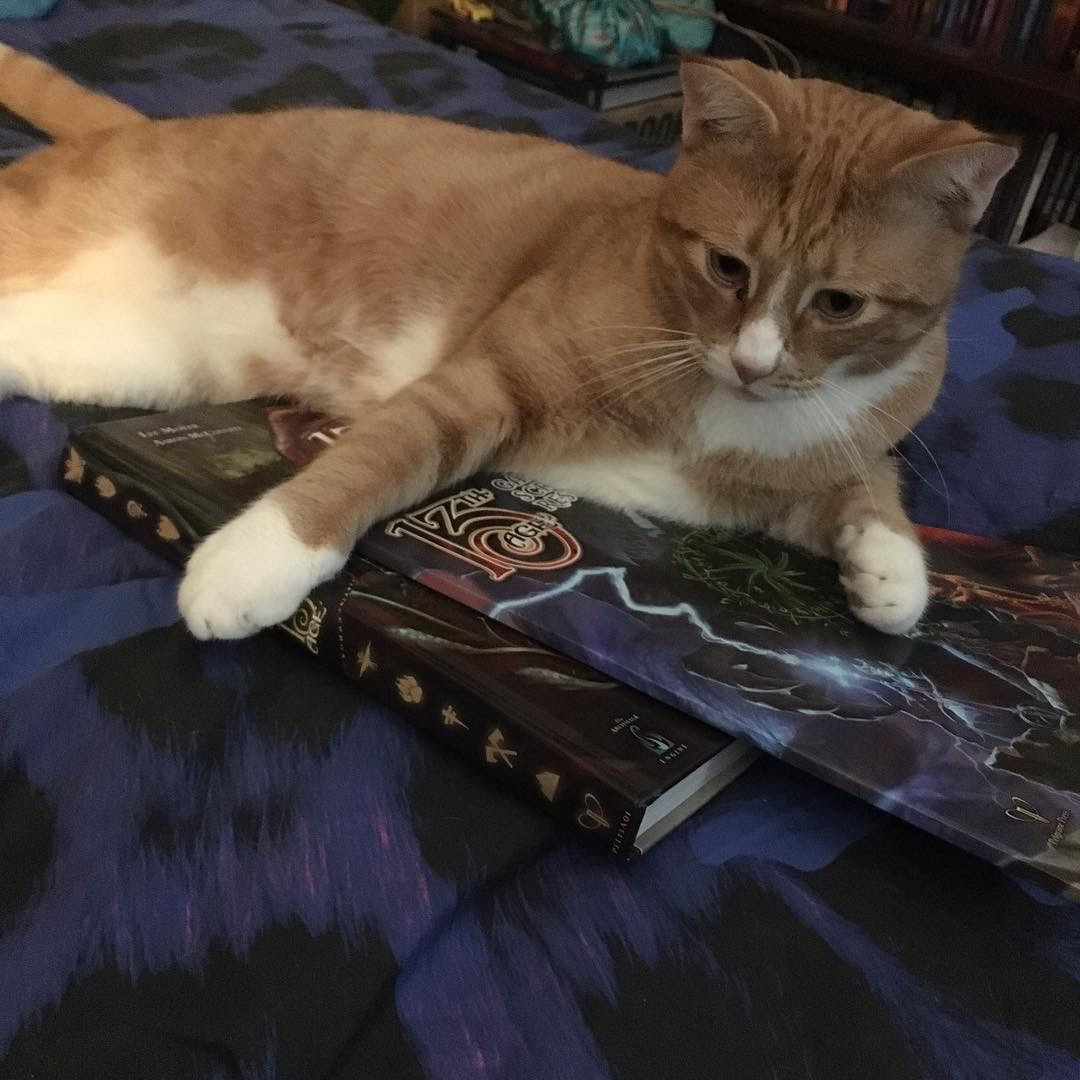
(1071, 177)
(927, 14)
(1025, 28)
(948, 14)
(1071, 54)
(1056, 34)
(1037, 219)
(452, 700)
(1032, 186)
(999, 30)
(985, 23)
(1033, 51)
(968, 30)
(900, 15)
(449, 694)
(1070, 212)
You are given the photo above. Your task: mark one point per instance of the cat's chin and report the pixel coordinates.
(755, 394)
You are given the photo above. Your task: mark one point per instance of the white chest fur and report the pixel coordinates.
(649, 481)
(785, 427)
(399, 358)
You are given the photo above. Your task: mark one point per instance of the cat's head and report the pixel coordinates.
(809, 234)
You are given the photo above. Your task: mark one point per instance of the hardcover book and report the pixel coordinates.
(968, 727)
(617, 765)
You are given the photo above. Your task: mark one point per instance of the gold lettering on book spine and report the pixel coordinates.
(74, 467)
(450, 718)
(409, 689)
(166, 529)
(306, 624)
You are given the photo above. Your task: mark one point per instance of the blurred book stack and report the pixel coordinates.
(646, 99)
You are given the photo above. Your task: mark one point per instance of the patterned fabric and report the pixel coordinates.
(221, 861)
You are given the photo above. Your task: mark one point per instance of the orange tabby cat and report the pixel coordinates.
(740, 342)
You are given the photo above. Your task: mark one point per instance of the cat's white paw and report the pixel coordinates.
(252, 573)
(884, 574)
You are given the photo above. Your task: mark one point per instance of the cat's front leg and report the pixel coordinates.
(865, 529)
(257, 569)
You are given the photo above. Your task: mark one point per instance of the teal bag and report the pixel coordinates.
(24, 9)
(615, 33)
(686, 32)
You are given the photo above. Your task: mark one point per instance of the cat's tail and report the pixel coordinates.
(52, 102)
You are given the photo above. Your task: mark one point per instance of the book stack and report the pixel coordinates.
(621, 768)
(613, 669)
(646, 99)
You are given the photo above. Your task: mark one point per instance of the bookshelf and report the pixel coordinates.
(1050, 98)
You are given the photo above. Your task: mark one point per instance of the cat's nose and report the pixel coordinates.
(751, 372)
(757, 350)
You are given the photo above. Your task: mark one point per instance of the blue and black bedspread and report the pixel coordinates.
(221, 861)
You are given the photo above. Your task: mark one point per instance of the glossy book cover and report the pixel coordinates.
(611, 762)
(967, 727)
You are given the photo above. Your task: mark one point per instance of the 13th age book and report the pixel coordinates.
(967, 727)
(619, 766)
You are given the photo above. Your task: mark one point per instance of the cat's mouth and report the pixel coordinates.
(778, 385)
(761, 392)
(745, 393)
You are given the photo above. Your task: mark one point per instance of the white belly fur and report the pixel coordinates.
(124, 324)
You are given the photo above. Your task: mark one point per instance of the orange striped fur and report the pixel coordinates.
(740, 342)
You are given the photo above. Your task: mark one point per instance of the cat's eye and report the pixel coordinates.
(728, 270)
(838, 305)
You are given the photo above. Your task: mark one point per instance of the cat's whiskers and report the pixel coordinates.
(671, 368)
(669, 351)
(651, 376)
(611, 379)
(849, 447)
(944, 492)
(660, 351)
(631, 326)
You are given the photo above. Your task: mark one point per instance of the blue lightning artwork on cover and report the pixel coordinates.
(967, 727)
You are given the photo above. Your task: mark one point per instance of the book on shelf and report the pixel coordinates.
(1035, 32)
(1070, 60)
(525, 56)
(1058, 191)
(1038, 154)
(967, 727)
(610, 761)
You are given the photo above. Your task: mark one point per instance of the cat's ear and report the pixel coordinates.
(719, 103)
(960, 179)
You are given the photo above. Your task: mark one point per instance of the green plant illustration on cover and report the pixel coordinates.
(753, 572)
